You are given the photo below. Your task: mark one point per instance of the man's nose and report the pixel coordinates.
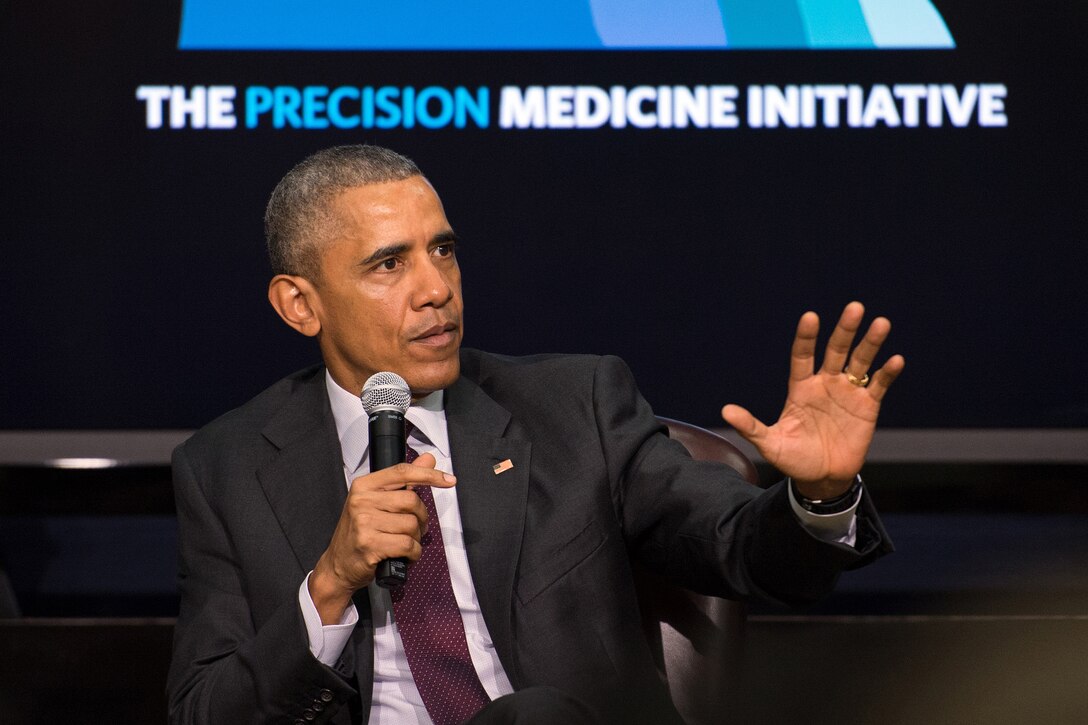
(432, 289)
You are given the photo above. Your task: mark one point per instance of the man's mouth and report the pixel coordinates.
(437, 335)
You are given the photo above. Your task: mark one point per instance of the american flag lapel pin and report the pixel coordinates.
(502, 467)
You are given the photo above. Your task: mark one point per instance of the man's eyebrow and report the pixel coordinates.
(446, 237)
(390, 250)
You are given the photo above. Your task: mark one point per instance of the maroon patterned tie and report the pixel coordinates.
(431, 629)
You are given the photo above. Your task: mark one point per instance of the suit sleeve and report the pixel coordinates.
(224, 670)
(700, 524)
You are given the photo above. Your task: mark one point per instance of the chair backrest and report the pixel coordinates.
(697, 640)
(703, 445)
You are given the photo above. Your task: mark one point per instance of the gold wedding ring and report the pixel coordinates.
(860, 382)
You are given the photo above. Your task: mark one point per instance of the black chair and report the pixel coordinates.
(697, 640)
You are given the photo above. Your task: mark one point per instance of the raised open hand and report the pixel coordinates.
(824, 431)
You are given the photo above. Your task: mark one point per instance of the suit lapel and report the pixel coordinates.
(304, 484)
(492, 505)
(304, 481)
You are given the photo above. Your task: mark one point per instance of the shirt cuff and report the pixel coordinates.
(327, 642)
(840, 528)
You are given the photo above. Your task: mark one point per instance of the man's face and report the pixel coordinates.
(389, 294)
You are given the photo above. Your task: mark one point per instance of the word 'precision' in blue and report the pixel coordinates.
(316, 107)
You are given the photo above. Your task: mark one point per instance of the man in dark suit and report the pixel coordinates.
(562, 477)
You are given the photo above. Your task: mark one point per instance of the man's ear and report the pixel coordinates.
(295, 300)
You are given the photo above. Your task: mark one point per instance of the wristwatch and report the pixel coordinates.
(825, 506)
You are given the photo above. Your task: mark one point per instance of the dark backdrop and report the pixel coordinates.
(134, 272)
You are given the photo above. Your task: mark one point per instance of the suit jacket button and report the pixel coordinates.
(309, 715)
(326, 695)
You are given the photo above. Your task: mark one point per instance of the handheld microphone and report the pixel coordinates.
(385, 398)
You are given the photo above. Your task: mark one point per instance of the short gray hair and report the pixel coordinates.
(299, 216)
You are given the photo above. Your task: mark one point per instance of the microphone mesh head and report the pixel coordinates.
(386, 391)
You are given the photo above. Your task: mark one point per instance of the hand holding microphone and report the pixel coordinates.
(380, 519)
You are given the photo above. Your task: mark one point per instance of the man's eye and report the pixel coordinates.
(388, 264)
(444, 250)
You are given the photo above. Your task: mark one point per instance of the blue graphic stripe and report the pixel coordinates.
(355, 25)
(656, 24)
(559, 24)
(906, 24)
(835, 24)
(763, 24)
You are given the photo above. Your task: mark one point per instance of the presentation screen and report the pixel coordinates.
(671, 181)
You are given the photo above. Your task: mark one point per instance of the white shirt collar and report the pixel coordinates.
(428, 415)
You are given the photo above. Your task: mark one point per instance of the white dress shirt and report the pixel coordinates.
(395, 698)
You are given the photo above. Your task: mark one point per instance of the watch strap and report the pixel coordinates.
(827, 506)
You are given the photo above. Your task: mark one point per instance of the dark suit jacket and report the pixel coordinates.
(595, 483)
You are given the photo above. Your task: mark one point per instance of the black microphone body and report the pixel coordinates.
(386, 398)
(387, 448)
(387, 444)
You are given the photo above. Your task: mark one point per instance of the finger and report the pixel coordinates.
(864, 354)
(838, 345)
(803, 352)
(368, 510)
(403, 501)
(750, 427)
(885, 376)
(394, 546)
(419, 511)
(412, 548)
(405, 474)
(406, 524)
(383, 522)
(427, 460)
